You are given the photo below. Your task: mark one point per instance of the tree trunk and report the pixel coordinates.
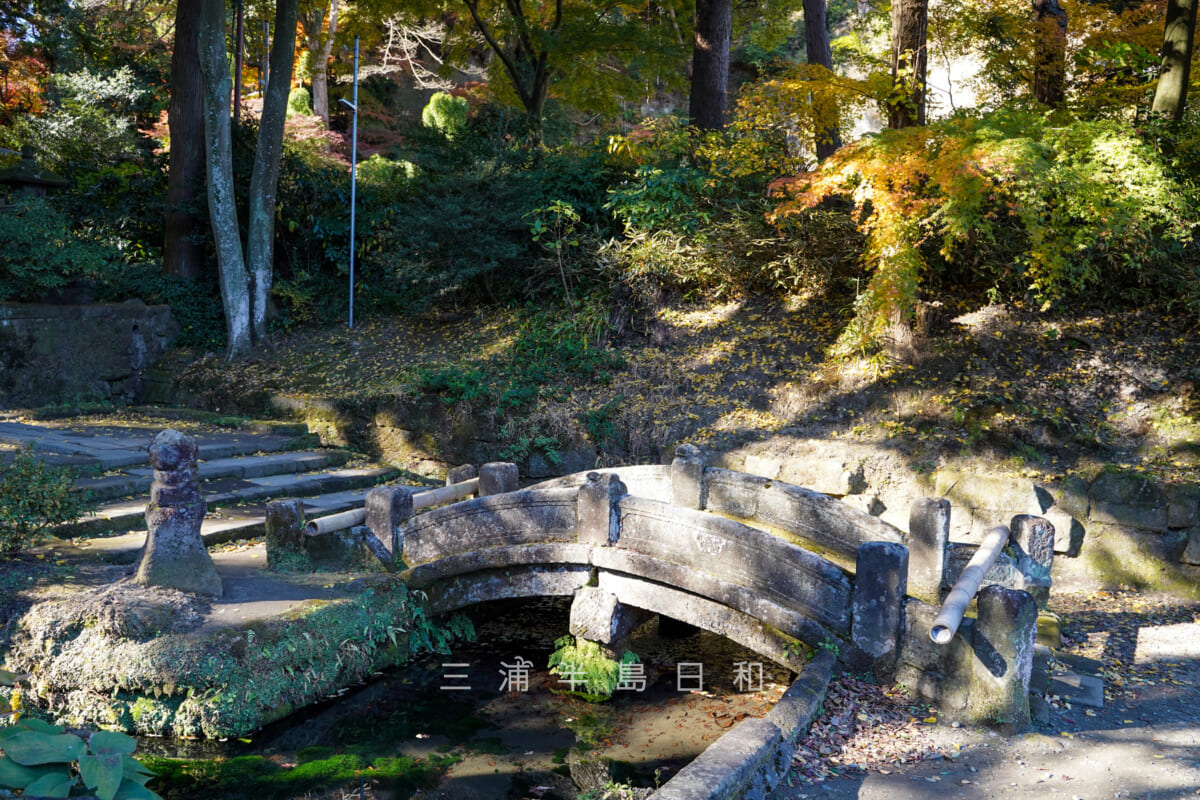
(222, 204)
(319, 41)
(910, 19)
(816, 38)
(710, 64)
(1050, 60)
(183, 255)
(1170, 96)
(260, 238)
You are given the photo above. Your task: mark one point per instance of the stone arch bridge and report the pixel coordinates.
(766, 564)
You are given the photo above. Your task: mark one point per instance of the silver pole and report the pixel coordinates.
(353, 174)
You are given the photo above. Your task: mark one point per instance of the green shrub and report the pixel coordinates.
(299, 102)
(1058, 211)
(446, 114)
(663, 198)
(41, 252)
(33, 497)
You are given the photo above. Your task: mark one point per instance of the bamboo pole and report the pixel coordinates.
(445, 494)
(336, 522)
(946, 623)
(358, 516)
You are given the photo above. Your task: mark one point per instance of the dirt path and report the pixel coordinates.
(1144, 742)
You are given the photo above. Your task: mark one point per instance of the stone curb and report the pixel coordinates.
(131, 514)
(747, 762)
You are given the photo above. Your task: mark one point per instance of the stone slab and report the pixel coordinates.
(1086, 690)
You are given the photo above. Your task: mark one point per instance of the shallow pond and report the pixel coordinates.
(442, 728)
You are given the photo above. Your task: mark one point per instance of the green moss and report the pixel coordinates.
(262, 779)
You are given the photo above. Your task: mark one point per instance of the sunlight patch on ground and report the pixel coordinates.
(698, 319)
(1168, 643)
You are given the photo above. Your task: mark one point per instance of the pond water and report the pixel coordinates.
(448, 714)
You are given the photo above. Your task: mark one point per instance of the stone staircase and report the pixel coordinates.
(240, 470)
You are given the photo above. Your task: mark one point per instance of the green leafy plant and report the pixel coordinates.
(445, 113)
(44, 760)
(299, 101)
(578, 661)
(555, 228)
(1056, 210)
(43, 252)
(33, 497)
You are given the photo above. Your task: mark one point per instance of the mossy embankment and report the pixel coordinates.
(157, 661)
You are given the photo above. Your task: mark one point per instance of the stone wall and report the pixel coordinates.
(1114, 528)
(64, 354)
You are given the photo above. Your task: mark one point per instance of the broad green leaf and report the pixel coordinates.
(136, 771)
(102, 742)
(31, 748)
(39, 725)
(133, 791)
(55, 785)
(102, 773)
(15, 776)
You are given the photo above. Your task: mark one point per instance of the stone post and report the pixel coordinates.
(460, 474)
(1034, 539)
(877, 605)
(174, 555)
(597, 514)
(598, 616)
(388, 508)
(928, 536)
(285, 533)
(687, 477)
(498, 477)
(1005, 632)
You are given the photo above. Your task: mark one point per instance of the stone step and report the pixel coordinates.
(220, 526)
(129, 514)
(136, 481)
(106, 448)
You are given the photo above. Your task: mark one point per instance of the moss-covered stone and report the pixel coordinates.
(140, 659)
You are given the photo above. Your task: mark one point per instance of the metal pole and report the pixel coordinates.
(353, 175)
(946, 623)
(237, 62)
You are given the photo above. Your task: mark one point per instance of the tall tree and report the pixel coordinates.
(1050, 57)
(910, 21)
(183, 254)
(526, 58)
(245, 276)
(1170, 96)
(710, 64)
(816, 39)
(318, 36)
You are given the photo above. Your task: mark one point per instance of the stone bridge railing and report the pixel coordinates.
(737, 568)
(717, 573)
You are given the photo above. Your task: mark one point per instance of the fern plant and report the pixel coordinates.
(578, 662)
